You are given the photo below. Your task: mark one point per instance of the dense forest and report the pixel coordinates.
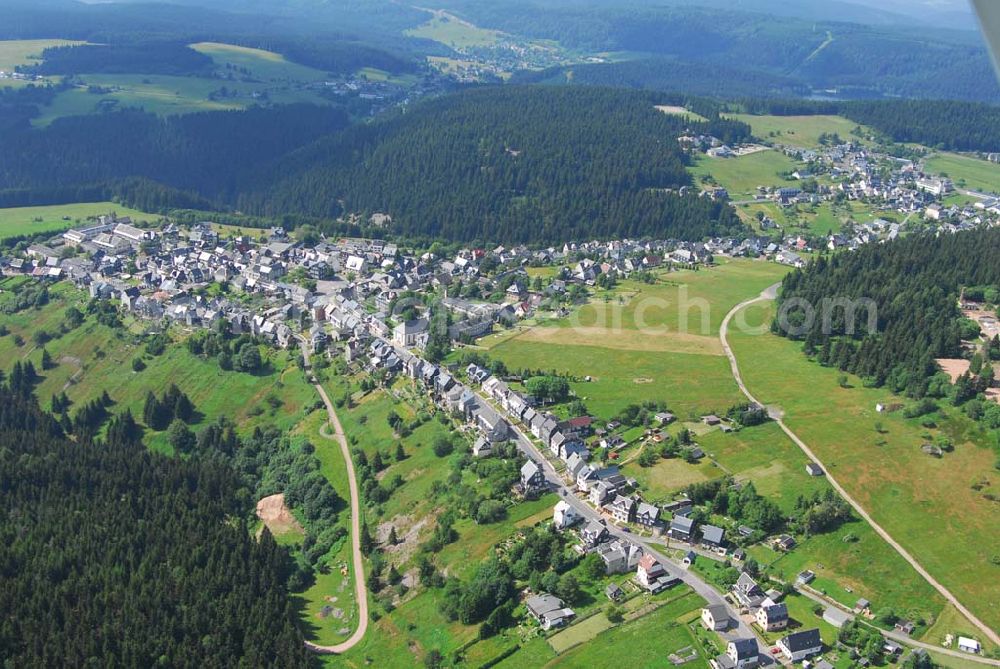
(146, 57)
(209, 153)
(513, 164)
(113, 555)
(914, 285)
(945, 124)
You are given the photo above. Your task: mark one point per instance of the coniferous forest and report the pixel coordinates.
(512, 164)
(915, 284)
(113, 555)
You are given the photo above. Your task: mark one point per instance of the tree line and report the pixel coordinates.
(946, 124)
(912, 286)
(104, 542)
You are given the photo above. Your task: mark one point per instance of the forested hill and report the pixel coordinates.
(915, 283)
(114, 556)
(210, 153)
(511, 164)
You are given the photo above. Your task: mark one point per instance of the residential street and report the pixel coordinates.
(588, 513)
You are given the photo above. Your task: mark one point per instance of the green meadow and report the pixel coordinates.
(936, 508)
(455, 32)
(741, 175)
(966, 171)
(645, 342)
(271, 76)
(17, 221)
(93, 358)
(800, 131)
(263, 65)
(24, 52)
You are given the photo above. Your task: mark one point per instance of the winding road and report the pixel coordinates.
(770, 294)
(360, 593)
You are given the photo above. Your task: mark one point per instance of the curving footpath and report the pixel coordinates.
(360, 594)
(768, 295)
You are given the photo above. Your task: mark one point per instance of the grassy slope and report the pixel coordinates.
(801, 131)
(926, 504)
(17, 221)
(978, 174)
(631, 364)
(26, 51)
(741, 176)
(161, 94)
(454, 32)
(265, 65)
(94, 358)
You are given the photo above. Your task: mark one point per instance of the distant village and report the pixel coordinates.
(853, 172)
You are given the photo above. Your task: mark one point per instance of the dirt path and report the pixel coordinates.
(768, 295)
(360, 594)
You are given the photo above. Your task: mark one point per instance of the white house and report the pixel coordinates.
(715, 617)
(564, 515)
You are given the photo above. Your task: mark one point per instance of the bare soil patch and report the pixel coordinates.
(953, 367)
(276, 516)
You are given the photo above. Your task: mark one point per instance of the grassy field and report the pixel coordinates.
(643, 643)
(647, 342)
(18, 221)
(680, 111)
(688, 382)
(270, 74)
(741, 176)
(910, 494)
(263, 65)
(454, 32)
(24, 52)
(93, 358)
(974, 173)
(801, 131)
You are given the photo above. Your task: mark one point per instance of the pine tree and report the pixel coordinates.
(46, 359)
(393, 539)
(365, 540)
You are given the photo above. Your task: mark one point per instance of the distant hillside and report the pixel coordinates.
(822, 53)
(512, 164)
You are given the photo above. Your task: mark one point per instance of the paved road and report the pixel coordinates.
(770, 294)
(706, 591)
(360, 593)
(903, 639)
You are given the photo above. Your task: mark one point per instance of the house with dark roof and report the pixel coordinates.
(532, 478)
(715, 617)
(772, 618)
(712, 536)
(647, 515)
(593, 533)
(800, 645)
(740, 654)
(681, 528)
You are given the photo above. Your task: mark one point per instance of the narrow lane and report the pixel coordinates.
(768, 295)
(358, 567)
